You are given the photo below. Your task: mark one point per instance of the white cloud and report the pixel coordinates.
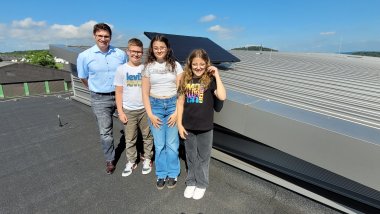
(71, 31)
(65, 31)
(223, 33)
(30, 34)
(218, 29)
(18, 33)
(329, 33)
(118, 38)
(27, 23)
(28, 29)
(208, 18)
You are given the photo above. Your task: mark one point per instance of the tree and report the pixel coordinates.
(367, 53)
(255, 48)
(43, 58)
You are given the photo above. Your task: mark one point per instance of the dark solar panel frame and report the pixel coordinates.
(183, 45)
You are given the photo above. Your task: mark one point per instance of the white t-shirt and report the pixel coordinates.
(162, 80)
(130, 78)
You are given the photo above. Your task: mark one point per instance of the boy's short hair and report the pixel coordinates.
(135, 42)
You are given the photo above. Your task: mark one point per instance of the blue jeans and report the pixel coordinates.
(103, 107)
(166, 140)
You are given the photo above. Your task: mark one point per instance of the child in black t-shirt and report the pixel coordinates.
(199, 84)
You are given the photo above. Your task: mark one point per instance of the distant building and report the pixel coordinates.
(22, 79)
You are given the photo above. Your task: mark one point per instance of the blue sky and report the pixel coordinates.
(288, 25)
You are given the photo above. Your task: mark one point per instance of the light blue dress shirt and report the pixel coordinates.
(99, 68)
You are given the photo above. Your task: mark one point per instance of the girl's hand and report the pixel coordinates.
(156, 122)
(172, 119)
(182, 131)
(213, 70)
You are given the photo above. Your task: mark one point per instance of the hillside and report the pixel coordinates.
(20, 53)
(366, 53)
(255, 48)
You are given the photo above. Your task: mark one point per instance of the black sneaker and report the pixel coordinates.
(172, 182)
(160, 183)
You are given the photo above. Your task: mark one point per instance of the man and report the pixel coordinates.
(96, 68)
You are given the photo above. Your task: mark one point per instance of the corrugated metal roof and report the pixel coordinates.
(342, 86)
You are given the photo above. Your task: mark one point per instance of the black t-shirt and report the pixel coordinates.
(198, 112)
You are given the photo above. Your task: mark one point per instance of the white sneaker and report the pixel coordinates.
(129, 167)
(147, 166)
(198, 193)
(189, 191)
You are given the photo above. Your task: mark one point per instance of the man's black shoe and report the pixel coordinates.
(110, 168)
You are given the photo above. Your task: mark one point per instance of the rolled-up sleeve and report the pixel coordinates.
(82, 67)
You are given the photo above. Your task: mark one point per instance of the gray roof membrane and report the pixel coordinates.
(24, 72)
(48, 168)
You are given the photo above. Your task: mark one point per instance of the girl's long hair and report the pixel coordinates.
(188, 75)
(169, 58)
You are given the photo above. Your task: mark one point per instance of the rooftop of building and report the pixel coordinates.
(50, 167)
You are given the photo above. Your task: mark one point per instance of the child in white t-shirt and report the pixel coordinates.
(131, 109)
(161, 76)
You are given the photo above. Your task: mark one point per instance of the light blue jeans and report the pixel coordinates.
(103, 107)
(166, 140)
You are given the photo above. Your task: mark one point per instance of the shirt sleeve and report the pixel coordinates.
(213, 85)
(178, 68)
(145, 71)
(118, 81)
(125, 57)
(82, 68)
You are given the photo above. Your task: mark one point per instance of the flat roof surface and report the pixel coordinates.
(5, 63)
(51, 169)
(24, 72)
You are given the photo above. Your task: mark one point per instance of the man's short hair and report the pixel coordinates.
(102, 26)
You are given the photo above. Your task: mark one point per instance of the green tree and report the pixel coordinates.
(367, 53)
(255, 48)
(43, 58)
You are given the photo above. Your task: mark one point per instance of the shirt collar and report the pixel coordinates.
(96, 49)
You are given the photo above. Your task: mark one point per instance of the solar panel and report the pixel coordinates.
(183, 45)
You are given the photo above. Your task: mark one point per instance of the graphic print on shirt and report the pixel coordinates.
(194, 93)
(133, 80)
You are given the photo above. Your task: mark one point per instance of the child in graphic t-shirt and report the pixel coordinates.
(199, 84)
(131, 109)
